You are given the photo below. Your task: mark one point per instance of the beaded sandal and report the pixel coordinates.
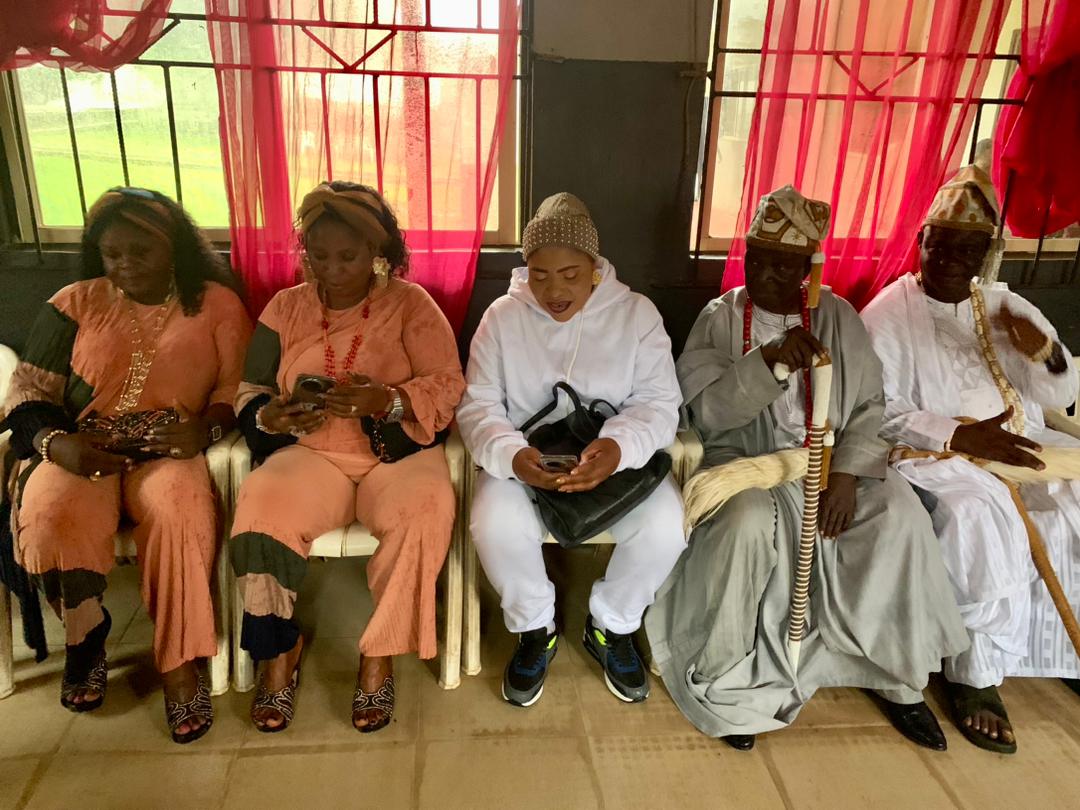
(177, 714)
(282, 701)
(86, 669)
(381, 699)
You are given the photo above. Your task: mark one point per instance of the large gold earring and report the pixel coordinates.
(381, 268)
(596, 278)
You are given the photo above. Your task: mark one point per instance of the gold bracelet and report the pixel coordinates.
(1045, 353)
(47, 441)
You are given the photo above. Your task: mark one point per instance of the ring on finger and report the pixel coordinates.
(95, 475)
(175, 452)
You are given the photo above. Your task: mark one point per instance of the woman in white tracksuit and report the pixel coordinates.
(566, 317)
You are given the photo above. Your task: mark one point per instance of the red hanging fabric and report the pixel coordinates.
(855, 106)
(371, 92)
(1030, 140)
(80, 34)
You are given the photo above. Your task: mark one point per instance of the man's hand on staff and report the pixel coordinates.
(836, 508)
(797, 350)
(989, 440)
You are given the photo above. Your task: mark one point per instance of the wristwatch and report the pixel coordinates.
(396, 411)
(215, 432)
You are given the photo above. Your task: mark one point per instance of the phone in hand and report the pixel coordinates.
(311, 388)
(558, 463)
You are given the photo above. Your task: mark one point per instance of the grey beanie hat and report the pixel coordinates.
(562, 219)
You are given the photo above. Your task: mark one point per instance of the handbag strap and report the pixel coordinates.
(551, 406)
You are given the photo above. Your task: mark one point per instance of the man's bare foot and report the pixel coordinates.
(180, 686)
(980, 714)
(374, 670)
(990, 725)
(277, 673)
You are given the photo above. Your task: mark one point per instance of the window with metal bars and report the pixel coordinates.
(71, 135)
(734, 66)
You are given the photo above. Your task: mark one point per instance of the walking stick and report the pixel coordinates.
(821, 386)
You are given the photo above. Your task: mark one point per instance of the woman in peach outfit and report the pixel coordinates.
(155, 324)
(366, 449)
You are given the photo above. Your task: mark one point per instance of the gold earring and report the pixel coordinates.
(596, 278)
(381, 268)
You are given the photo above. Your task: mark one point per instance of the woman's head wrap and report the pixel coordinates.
(361, 210)
(141, 207)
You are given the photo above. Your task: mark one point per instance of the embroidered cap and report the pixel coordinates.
(967, 203)
(563, 220)
(786, 220)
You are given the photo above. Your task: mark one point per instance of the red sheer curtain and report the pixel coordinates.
(1030, 141)
(376, 93)
(85, 34)
(865, 104)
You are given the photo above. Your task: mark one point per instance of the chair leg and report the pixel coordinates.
(7, 655)
(472, 610)
(450, 677)
(222, 588)
(242, 665)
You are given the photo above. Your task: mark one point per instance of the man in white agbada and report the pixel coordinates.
(881, 616)
(567, 318)
(929, 332)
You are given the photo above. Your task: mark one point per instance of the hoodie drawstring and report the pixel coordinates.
(577, 346)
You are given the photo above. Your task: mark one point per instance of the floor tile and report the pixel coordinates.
(136, 782)
(606, 715)
(334, 600)
(477, 709)
(32, 719)
(832, 708)
(515, 772)
(1032, 777)
(681, 770)
(324, 700)
(14, 776)
(380, 777)
(851, 768)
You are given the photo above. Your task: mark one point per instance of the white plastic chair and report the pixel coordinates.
(355, 540)
(217, 460)
(686, 451)
(1061, 421)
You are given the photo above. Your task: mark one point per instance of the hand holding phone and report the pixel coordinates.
(558, 463)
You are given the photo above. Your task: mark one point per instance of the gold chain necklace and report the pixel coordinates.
(1008, 394)
(142, 354)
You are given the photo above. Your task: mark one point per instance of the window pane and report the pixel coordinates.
(50, 145)
(202, 177)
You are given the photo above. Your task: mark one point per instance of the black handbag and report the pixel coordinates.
(390, 442)
(574, 517)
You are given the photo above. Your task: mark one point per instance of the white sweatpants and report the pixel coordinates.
(508, 534)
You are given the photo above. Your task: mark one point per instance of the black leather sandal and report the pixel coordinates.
(381, 699)
(176, 714)
(967, 701)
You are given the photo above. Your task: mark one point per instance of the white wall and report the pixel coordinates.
(623, 30)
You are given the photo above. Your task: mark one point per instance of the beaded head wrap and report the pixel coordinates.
(562, 220)
(361, 210)
(141, 207)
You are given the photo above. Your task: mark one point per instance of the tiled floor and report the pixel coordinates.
(577, 748)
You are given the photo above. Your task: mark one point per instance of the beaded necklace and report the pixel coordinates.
(804, 312)
(350, 357)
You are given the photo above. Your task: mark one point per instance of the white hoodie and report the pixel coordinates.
(614, 349)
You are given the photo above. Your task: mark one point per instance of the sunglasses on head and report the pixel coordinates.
(140, 193)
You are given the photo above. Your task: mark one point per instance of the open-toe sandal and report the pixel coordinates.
(966, 701)
(176, 714)
(283, 701)
(86, 669)
(382, 699)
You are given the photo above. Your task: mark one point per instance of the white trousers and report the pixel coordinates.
(508, 534)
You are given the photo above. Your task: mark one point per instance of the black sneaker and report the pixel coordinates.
(523, 681)
(624, 672)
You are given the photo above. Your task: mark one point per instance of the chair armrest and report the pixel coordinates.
(239, 466)
(456, 459)
(1062, 422)
(692, 453)
(217, 463)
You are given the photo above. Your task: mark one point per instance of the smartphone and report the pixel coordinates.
(310, 389)
(558, 464)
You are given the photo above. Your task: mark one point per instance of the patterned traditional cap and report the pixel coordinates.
(967, 203)
(786, 220)
(562, 219)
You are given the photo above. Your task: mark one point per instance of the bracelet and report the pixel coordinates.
(259, 422)
(47, 441)
(1045, 353)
